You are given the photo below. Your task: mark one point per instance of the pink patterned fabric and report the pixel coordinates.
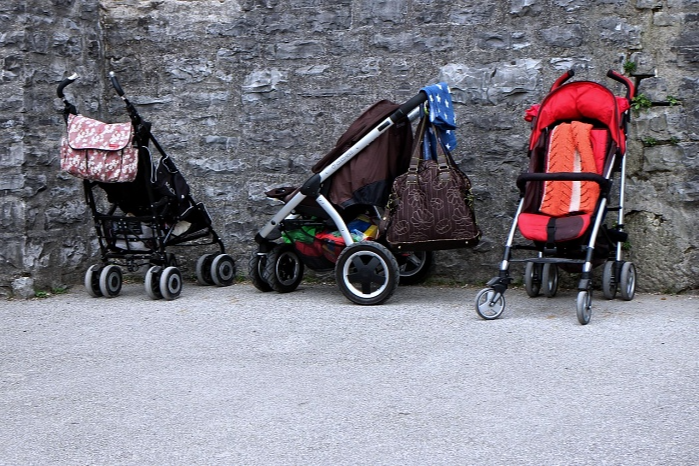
(99, 151)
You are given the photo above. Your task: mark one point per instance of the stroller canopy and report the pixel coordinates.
(581, 100)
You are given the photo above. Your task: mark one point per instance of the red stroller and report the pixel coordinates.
(578, 143)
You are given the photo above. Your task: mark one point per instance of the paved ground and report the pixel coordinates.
(235, 376)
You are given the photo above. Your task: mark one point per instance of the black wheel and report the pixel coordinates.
(283, 269)
(532, 279)
(170, 283)
(110, 281)
(367, 273)
(92, 281)
(223, 270)
(584, 307)
(627, 281)
(549, 280)
(204, 270)
(152, 282)
(609, 280)
(414, 266)
(256, 267)
(489, 304)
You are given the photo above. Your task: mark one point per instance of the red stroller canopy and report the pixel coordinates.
(581, 100)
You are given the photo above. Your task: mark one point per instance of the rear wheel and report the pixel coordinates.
(283, 269)
(584, 307)
(110, 281)
(170, 283)
(627, 281)
(414, 266)
(489, 305)
(367, 273)
(532, 279)
(256, 267)
(92, 281)
(204, 269)
(549, 280)
(223, 270)
(609, 280)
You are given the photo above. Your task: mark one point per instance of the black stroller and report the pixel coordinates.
(138, 221)
(331, 221)
(578, 143)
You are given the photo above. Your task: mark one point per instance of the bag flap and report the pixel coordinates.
(86, 133)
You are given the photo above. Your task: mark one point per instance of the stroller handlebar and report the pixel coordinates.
(115, 84)
(403, 111)
(630, 88)
(66, 82)
(563, 78)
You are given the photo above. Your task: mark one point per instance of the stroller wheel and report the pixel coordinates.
(609, 280)
(532, 279)
(153, 282)
(223, 270)
(414, 267)
(256, 268)
(204, 270)
(549, 279)
(92, 281)
(170, 283)
(627, 281)
(489, 305)
(584, 307)
(283, 269)
(110, 281)
(367, 273)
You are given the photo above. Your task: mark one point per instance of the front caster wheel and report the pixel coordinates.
(92, 281)
(532, 279)
(367, 273)
(584, 307)
(223, 270)
(110, 281)
(170, 283)
(609, 280)
(152, 282)
(489, 304)
(627, 281)
(256, 268)
(283, 269)
(549, 280)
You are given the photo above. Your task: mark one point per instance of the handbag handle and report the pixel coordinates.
(417, 150)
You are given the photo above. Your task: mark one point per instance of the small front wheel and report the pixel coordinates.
(283, 269)
(627, 281)
(170, 283)
(584, 307)
(223, 270)
(490, 304)
(549, 280)
(532, 279)
(256, 268)
(110, 281)
(203, 269)
(152, 282)
(92, 281)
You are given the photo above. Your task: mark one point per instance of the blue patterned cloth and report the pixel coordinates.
(441, 115)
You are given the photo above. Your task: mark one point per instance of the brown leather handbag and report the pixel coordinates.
(431, 205)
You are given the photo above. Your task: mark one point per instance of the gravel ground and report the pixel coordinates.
(236, 376)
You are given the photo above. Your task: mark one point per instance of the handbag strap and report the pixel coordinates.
(416, 156)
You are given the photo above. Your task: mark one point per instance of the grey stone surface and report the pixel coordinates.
(247, 95)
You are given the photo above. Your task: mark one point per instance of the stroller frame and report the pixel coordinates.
(541, 271)
(142, 238)
(367, 272)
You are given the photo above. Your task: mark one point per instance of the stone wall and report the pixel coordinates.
(247, 95)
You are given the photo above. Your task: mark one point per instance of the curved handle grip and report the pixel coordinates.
(630, 88)
(402, 111)
(66, 82)
(115, 84)
(565, 77)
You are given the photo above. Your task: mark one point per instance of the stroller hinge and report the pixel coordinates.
(311, 187)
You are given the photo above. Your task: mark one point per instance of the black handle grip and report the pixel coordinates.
(565, 77)
(115, 84)
(402, 111)
(630, 88)
(66, 82)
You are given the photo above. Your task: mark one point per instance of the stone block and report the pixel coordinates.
(23, 288)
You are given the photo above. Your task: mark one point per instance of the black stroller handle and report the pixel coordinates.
(115, 84)
(66, 82)
(630, 88)
(563, 78)
(403, 111)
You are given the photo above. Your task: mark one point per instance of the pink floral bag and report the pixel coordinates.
(99, 151)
